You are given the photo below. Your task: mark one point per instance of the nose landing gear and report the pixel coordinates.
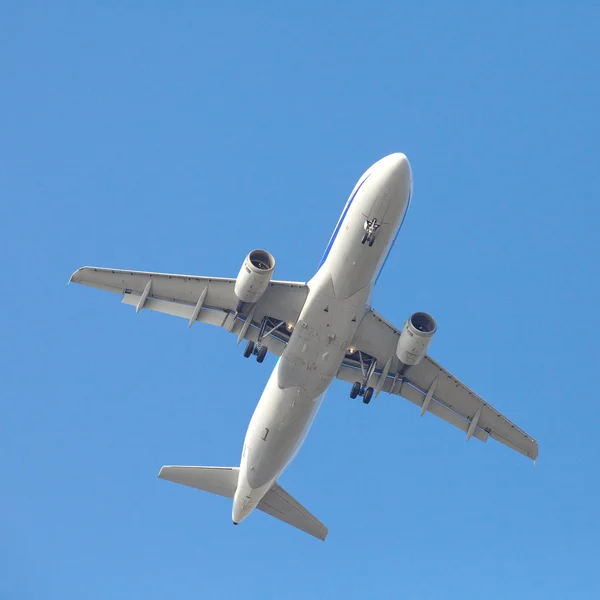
(371, 226)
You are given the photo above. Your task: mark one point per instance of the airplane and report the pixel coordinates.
(320, 330)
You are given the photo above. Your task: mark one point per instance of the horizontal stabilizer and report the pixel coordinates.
(223, 482)
(216, 480)
(279, 504)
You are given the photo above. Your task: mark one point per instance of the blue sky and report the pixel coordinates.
(177, 137)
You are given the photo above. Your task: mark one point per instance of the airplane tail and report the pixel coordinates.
(223, 482)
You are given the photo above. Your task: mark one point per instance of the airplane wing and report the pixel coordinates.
(429, 386)
(205, 299)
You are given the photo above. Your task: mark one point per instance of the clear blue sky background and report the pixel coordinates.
(177, 137)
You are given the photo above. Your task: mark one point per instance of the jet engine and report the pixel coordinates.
(253, 278)
(415, 338)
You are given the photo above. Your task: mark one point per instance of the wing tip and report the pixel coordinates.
(74, 278)
(166, 472)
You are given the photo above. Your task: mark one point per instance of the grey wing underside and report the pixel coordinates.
(205, 299)
(431, 387)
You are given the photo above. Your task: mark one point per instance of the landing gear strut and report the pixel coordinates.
(362, 388)
(371, 227)
(258, 349)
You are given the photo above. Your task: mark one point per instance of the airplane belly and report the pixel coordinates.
(298, 383)
(278, 426)
(321, 336)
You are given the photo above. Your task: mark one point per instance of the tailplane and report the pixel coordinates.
(279, 504)
(223, 481)
(216, 480)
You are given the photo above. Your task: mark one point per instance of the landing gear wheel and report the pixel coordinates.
(261, 354)
(371, 242)
(355, 390)
(249, 349)
(364, 238)
(368, 395)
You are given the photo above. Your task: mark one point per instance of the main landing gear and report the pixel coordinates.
(362, 388)
(253, 349)
(371, 227)
(359, 390)
(268, 327)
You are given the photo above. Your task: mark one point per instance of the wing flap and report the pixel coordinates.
(279, 504)
(175, 309)
(209, 316)
(410, 393)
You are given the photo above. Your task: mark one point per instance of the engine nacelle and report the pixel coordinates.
(253, 278)
(416, 336)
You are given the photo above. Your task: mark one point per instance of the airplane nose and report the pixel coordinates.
(398, 163)
(397, 169)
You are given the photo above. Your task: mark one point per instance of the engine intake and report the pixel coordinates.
(253, 279)
(415, 338)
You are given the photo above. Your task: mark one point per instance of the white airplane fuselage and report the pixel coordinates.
(338, 298)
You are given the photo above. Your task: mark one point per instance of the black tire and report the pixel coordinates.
(261, 354)
(364, 238)
(371, 242)
(355, 389)
(368, 395)
(249, 349)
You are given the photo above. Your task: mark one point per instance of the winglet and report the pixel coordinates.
(73, 275)
(76, 276)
